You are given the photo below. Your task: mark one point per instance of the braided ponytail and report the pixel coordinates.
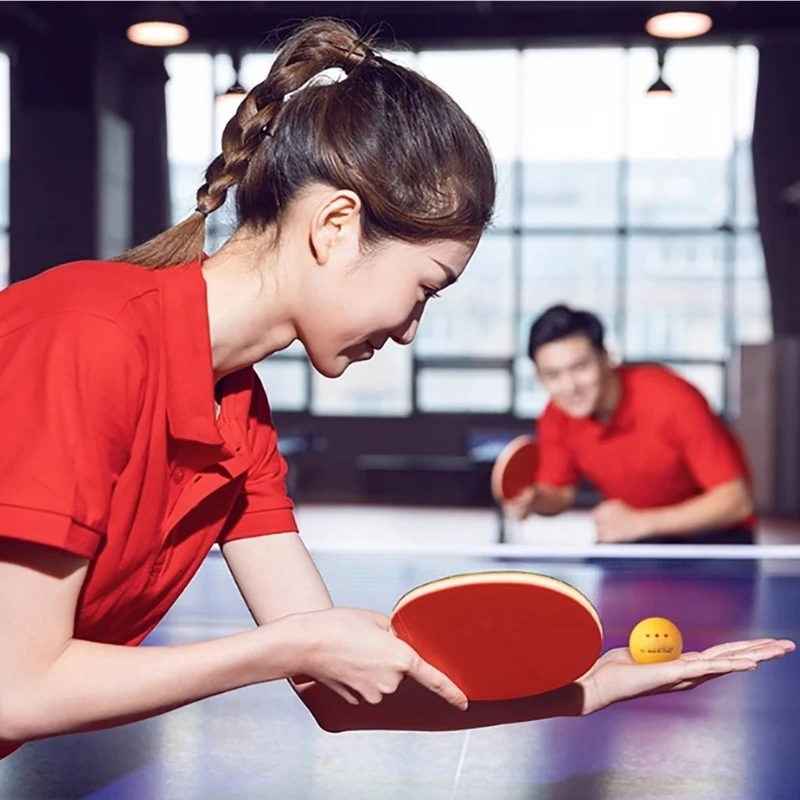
(419, 165)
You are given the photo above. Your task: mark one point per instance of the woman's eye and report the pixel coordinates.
(431, 294)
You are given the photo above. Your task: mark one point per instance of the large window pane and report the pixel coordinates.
(708, 378)
(680, 148)
(568, 118)
(675, 297)
(753, 322)
(572, 136)
(190, 131)
(224, 108)
(255, 68)
(475, 317)
(531, 397)
(464, 390)
(580, 271)
(379, 387)
(286, 383)
(746, 81)
(485, 83)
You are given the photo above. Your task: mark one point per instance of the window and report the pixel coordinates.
(474, 318)
(751, 299)
(680, 149)
(190, 127)
(4, 157)
(486, 84)
(578, 270)
(744, 108)
(640, 210)
(675, 297)
(464, 390)
(572, 137)
(378, 387)
(657, 202)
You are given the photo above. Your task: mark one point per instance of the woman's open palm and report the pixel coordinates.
(616, 676)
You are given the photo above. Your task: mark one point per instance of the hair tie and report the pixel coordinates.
(326, 77)
(199, 210)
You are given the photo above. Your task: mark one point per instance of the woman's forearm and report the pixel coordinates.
(412, 708)
(91, 686)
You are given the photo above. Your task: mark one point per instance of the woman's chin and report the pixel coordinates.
(336, 365)
(331, 367)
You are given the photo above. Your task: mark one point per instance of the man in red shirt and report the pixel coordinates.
(670, 470)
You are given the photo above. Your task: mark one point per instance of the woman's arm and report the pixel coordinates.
(52, 683)
(277, 577)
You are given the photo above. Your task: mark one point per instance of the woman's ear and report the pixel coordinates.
(335, 226)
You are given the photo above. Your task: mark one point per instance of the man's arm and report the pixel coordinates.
(550, 500)
(717, 463)
(715, 509)
(542, 499)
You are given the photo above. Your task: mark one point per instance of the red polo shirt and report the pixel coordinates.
(662, 446)
(111, 448)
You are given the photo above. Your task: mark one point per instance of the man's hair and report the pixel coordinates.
(560, 322)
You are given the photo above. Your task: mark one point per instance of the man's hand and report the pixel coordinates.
(521, 506)
(617, 522)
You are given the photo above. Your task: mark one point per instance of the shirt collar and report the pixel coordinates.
(191, 411)
(623, 418)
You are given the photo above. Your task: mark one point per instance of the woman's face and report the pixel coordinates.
(352, 309)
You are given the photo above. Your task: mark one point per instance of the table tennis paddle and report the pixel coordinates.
(501, 635)
(514, 470)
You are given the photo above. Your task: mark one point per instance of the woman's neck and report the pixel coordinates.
(249, 315)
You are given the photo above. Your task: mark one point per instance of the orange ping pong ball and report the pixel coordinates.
(654, 640)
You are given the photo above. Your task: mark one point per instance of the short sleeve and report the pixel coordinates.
(70, 389)
(556, 465)
(708, 446)
(264, 506)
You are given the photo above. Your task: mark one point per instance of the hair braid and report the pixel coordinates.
(419, 164)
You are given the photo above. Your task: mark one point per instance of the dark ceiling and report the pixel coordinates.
(249, 24)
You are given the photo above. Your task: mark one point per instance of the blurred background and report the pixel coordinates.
(653, 180)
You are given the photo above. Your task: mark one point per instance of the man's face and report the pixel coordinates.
(574, 373)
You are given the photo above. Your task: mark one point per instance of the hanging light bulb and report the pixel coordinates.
(158, 25)
(660, 89)
(678, 24)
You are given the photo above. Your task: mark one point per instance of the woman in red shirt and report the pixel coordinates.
(136, 435)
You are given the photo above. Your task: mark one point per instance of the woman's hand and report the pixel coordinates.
(354, 653)
(616, 676)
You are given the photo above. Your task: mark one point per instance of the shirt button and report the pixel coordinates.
(177, 476)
